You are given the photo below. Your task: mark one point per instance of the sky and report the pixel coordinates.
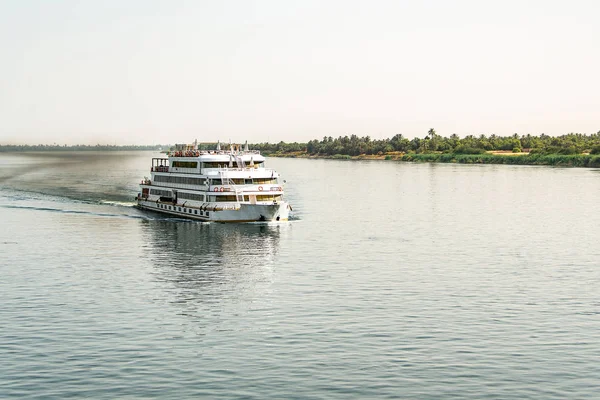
(162, 72)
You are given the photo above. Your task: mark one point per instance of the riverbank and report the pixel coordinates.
(559, 160)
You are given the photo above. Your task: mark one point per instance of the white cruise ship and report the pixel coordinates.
(214, 185)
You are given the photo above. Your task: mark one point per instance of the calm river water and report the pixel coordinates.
(394, 280)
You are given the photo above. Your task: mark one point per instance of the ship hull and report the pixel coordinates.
(222, 212)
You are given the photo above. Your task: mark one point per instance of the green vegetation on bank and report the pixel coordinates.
(572, 143)
(78, 147)
(578, 160)
(573, 149)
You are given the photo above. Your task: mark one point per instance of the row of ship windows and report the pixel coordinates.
(179, 179)
(226, 198)
(194, 164)
(255, 181)
(187, 196)
(201, 181)
(246, 198)
(183, 209)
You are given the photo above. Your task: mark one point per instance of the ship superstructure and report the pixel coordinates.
(231, 185)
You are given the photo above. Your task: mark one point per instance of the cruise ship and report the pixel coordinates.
(231, 185)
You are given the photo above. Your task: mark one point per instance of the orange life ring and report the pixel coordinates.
(220, 190)
(215, 189)
(260, 188)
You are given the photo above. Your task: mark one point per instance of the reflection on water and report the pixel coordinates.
(201, 263)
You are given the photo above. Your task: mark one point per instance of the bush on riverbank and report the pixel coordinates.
(468, 150)
(531, 159)
(341, 157)
(568, 150)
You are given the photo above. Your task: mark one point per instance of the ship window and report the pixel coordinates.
(195, 211)
(215, 165)
(264, 181)
(248, 182)
(179, 208)
(216, 182)
(207, 213)
(185, 164)
(225, 198)
(163, 193)
(268, 197)
(191, 196)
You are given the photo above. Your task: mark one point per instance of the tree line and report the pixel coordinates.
(353, 145)
(78, 147)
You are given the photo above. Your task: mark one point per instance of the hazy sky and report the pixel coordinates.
(147, 71)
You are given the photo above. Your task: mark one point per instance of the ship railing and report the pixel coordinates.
(247, 168)
(225, 180)
(235, 169)
(196, 153)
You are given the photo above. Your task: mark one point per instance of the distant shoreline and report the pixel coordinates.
(508, 158)
(569, 150)
(490, 157)
(75, 148)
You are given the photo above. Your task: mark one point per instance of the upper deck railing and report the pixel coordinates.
(197, 153)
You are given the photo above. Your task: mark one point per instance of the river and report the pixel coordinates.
(392, 280)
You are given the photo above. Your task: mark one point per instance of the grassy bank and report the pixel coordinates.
(559, 160)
